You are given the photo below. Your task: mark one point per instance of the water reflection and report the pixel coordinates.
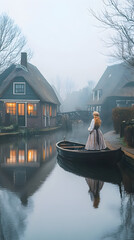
(96, 177)
(24, 166)
(126, 228)
(95, 187)
(102, 173)
(12, 216)
(27, 152)
(35, 206)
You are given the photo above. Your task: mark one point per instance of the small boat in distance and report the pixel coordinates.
(77, 152)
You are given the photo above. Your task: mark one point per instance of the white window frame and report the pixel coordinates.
(18, 84)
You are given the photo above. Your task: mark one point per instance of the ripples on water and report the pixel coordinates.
(42, 197)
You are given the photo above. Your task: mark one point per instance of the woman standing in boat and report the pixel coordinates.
(95, 139)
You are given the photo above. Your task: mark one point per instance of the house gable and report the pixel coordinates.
(114, 82)
(29, 93)
(34, 78)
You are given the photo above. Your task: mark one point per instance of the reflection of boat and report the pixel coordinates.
(77, 152)
(87, 170)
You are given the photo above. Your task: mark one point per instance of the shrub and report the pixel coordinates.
(129, 135)
(9, 128)
(120, 114)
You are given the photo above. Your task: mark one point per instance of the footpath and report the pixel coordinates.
(114, 141)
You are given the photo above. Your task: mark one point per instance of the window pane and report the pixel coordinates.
(32, 155)
(12, 158)
(50, 111)
(44, 110)
(32, 109)
(21, 156)
(21, 109)
(11, 108)
(19, 88)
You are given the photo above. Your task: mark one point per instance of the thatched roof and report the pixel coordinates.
(114, 82)
(33, 77)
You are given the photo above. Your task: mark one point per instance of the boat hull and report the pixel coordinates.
(76, 152)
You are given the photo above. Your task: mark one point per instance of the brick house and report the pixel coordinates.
(26, 98)
(114, 89)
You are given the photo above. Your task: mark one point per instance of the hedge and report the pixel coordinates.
(129, 135)
(120, 114)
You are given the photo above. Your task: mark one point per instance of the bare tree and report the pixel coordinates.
(11, 42)
(118, 15)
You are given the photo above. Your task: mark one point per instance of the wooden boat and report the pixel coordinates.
(77, 152)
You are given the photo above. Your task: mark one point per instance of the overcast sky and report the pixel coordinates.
(62, 35)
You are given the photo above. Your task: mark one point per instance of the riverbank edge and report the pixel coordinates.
(23, 131)
(113, 141)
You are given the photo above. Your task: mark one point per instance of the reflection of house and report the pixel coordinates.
(114, 89)
(31, 153)
(25, 181)
(27, 99)
(25, 164)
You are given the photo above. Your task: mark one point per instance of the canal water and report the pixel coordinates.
(42, 197)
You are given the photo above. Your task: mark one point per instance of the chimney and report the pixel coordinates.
(24, 59)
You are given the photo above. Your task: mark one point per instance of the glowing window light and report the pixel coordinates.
(12, 158)
(21, 109)
(11, 108)
(32, 155)
(32, 109)
(44, 154)
(50, 111)
(44, 110)
(21, 156)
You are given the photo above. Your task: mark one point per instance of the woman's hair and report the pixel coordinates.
(97, 120)
(95, 113)
(96, 202)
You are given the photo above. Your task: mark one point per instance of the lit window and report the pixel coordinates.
(18, 88)
(44, 110)
(21, 156)
(50, 111)
(12, 158)
(21, 109)
(44, 154)
(32, 155)
(11, 108)
(32, 109)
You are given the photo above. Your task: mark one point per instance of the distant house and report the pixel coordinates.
(114, 89)
(26, 98)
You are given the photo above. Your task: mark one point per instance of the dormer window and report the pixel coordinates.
(19, 88)
(99, 94)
